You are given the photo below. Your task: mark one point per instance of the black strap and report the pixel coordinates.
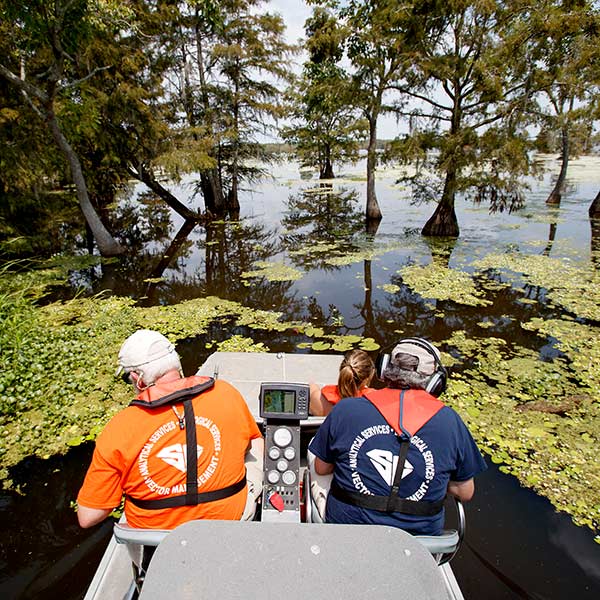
(182, 500)
(402, 454)
(191, 452)
(386, 504)
(178, 396)
(395, 489)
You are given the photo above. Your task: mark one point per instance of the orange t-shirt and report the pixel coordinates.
(141, 453)
(332, 393)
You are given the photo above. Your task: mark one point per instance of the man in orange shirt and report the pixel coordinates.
(146, 450)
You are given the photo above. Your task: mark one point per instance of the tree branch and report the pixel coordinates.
(420, 114)
(23, 85)
(88, 76)
(428, 100)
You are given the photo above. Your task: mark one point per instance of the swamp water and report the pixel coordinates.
(513, 303)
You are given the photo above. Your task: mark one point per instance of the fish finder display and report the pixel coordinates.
(280, 401)
(284, 400)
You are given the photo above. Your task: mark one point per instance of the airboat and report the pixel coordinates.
(287, 550)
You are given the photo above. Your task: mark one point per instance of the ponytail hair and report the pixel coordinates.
(356, 371)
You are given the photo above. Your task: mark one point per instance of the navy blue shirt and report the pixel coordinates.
(364, 449)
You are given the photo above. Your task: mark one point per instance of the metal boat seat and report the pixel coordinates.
(141, 544)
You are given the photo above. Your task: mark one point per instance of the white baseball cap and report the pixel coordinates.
(143, 347)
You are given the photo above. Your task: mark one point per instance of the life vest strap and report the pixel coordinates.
(184, 499)
(386, 504)
(177, 396)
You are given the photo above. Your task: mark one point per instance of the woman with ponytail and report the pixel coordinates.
(356, 373)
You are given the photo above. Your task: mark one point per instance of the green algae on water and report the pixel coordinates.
(540, 420)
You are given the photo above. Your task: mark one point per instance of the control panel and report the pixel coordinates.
(282, 406)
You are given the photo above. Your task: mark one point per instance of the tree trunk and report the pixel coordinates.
(146, 176)
(551, 238)
(107, 245)
(443, 222)
(555, 194)
(594, 210)
(214, 200)
(373, 211)
(213, 192)
(89, 239)
(595, 243)
(233, 203)
(326, 170)
(366, 311)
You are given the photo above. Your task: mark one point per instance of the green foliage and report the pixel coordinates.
(538, 419)
(273, 272)
(326, 128)
(577, 290)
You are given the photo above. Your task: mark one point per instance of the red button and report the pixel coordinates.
(276, 501)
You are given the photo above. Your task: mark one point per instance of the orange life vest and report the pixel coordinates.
(418, 407)
(154, 397)
(332, 393)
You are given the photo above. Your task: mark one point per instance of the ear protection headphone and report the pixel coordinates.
(437, 381)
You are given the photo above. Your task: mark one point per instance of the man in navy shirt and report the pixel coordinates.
(363, 439)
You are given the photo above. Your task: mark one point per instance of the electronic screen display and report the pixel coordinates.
(279, 401)
(284, 400)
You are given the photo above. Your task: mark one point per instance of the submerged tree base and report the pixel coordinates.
(443, 223)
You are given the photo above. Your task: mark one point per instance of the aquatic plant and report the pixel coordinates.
(442, 283)
(57, 383)
(273, 271)
(540, 420)
(577, 289)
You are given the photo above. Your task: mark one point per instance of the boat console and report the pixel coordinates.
(282, 407)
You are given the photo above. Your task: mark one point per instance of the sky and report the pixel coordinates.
(294, 13)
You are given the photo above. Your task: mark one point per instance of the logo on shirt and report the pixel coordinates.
(176, 456)
(386, 463)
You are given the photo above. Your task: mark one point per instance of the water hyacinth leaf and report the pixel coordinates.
(369, 344)
(76, 441)
(341, 346)
(238, 343)
(311, 331)
(321, 346)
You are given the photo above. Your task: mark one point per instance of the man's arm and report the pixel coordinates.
(322, 467)
(88, 517)
(463, 490)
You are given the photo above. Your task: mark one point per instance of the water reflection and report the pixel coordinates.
(320, 214)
